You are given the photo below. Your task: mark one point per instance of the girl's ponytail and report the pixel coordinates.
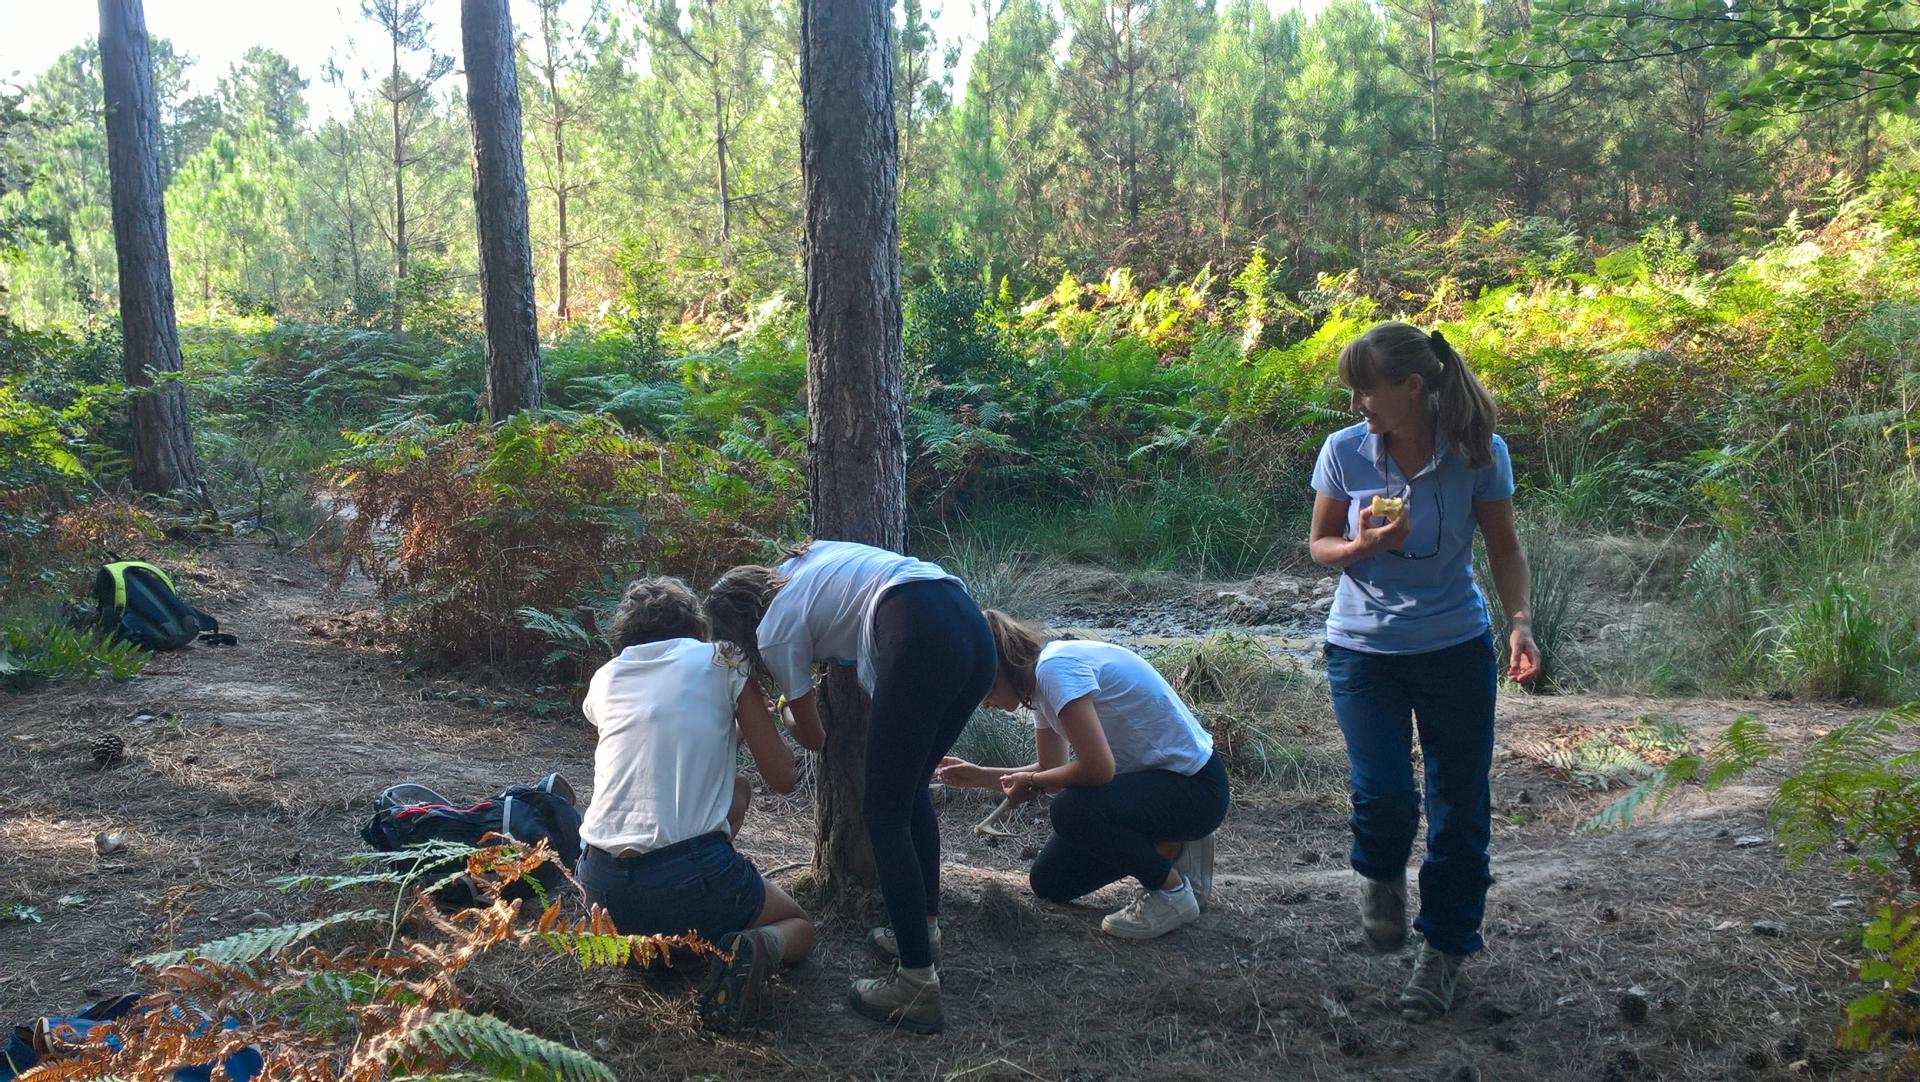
(1467, 412)
(1391, 352)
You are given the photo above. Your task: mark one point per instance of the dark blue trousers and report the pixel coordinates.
(1447, 695)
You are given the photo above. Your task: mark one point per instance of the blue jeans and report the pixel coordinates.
(702, 885)
(1378, 700)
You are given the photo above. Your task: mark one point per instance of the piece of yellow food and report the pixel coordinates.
(1388, 506)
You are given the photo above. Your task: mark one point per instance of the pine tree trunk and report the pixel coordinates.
(557, 125)
(1433, 113)
(398, 320)
(500, 210)
(856, 462)
(163, 459)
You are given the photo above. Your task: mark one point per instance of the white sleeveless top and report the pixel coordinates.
(663, 769)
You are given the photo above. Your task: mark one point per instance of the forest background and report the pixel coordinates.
(1134, 236)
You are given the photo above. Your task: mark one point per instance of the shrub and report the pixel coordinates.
(1246, 698)
(464, 526)
(36, 652)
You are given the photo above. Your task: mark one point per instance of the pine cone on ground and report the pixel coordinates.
(108, 750)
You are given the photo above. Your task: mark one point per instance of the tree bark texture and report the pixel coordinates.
(857, 460)
(500, 210)
(163, 458)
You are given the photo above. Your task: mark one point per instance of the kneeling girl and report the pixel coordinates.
(1143, 780)
(670, 711)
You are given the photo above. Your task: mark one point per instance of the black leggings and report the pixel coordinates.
(934, 660)
(1104, 833)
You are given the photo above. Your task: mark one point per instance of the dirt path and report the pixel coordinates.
(262, 759)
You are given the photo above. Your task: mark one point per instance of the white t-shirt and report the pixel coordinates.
(663, 770)
(1147, 725)
(825, 611)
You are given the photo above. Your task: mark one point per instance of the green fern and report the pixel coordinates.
(591, 951)
(261, 943)
(1861, 786)
(1746, 744)
(497, 1049)
(332, 883)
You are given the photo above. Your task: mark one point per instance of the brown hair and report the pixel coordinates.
(735, 603)
(1019, 648)
(656, 609)
(1391, 352)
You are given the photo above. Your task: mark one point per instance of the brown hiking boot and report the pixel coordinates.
(735, 982)
(1383, 912)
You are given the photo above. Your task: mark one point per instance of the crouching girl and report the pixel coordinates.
(1142, 793)
(670, 711)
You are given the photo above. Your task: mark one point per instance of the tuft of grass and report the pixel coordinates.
(995, 738)
(1842, 641)
(1010, 578)
(1184, 522)
(1249, 700)
(1558, 587)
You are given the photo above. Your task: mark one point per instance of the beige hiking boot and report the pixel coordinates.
(1429, 992)
(1195, 865)
(1383, 912)
(902, 999)
(884, 943)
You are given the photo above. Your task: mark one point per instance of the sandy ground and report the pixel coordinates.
(251, 762)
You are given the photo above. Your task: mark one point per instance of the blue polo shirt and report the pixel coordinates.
(1424, 597)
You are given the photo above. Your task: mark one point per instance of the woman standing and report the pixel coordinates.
(1409, 638)
(922, 650)
(1143, 780)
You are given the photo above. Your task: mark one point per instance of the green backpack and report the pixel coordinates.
(137, 603)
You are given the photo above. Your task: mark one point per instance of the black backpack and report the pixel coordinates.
(409, 814)
(137, 602)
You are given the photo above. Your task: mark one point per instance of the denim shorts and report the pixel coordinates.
(702, 885)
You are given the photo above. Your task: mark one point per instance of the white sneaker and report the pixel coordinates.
(1196, 867)
(1154, 913)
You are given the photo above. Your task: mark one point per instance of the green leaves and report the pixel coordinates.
(1821, 54)
(263, 944)
(1745, 745)
(32, 654)
(497, 1048)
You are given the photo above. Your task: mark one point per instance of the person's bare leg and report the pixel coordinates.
(1171, 850)
(784, 915)
(737, 812)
